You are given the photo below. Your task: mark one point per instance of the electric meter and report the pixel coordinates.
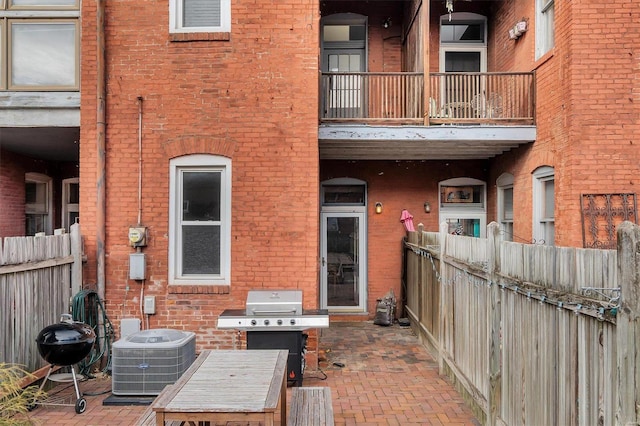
(138, 236)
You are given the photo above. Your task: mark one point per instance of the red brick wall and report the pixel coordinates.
(586, 110)
(252, 98)
(12, 220)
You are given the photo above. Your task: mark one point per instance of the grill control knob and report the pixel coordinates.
(279, 322)
(292, 321)
(254, 322)
(266, 322)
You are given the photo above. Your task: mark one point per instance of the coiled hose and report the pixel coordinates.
(87, 307)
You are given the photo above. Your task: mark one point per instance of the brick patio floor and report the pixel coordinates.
(388, 378)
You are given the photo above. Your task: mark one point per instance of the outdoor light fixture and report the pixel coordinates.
(449, 5)
(387, 23)
(427, 207)
(378, 207)
(518, 29)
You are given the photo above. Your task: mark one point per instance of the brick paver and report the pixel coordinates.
(388, 378)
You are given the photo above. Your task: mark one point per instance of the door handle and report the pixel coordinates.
(323, 262)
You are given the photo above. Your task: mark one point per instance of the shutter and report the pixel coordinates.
(201, 13)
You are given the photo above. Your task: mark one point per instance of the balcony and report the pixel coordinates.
(388, 115)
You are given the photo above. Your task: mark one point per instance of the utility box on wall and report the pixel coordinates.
(137, 266)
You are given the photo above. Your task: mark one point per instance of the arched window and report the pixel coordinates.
(38, 203)
(463, 206)
(463, 43)
(504, 183)
(544, 205)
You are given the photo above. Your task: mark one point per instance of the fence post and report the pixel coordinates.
(446, 301)
(494, 323)
(628, 324)
(76, 252)
(420, 277)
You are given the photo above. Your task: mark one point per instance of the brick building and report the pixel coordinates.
(275, 145)
(39, 115)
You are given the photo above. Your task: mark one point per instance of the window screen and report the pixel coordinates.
(201, 13)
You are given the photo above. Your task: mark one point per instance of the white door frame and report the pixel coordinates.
(465, 47)
(359, 212)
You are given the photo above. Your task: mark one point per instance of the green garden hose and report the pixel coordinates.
(87, 307)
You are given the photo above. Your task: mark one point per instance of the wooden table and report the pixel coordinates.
(228, 385)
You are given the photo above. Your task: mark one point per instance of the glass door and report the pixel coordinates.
(463, 53)
(344, 41)
(346, 94)
(343, 261)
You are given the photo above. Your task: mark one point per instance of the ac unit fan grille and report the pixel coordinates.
(146, 371)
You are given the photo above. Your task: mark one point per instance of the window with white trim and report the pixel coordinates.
(70, 202)
(545, 27)
(37, 203)
(504, 184)
(39, 45)
(544, 205)
(191, 16)
(200, 220)
(462, 206)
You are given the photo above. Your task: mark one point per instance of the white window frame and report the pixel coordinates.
(463, 210)
(202, 162)
(68, 207)
(543, 227)
(504, 183)
(480, 47)
(175, 19)
(10, 58)
(11, 5)
(36, 14)
(29, 209)
(545, 27)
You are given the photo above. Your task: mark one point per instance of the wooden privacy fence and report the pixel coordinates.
(531, 334)
(38, 276)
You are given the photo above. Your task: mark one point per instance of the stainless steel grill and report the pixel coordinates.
(273, 310)
(275, 319)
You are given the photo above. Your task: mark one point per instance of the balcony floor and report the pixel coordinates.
(444, 142)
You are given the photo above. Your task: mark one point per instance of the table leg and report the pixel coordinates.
(283, 400)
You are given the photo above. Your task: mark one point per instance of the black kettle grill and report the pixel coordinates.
(65, 344)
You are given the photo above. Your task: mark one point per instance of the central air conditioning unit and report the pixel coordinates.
(143, 363)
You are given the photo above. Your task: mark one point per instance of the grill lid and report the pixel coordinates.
(274, 302)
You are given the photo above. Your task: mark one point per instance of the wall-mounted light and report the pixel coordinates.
(427, 207)
(518, 29)
(449, 5)
(387, 23)
(378, 207)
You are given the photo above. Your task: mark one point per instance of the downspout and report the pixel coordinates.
(101, 205)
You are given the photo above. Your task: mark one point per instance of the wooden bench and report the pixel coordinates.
(310, 406)
(148, 416)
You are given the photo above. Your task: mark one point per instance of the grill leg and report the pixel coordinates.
(47, 376)
(75, 382)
